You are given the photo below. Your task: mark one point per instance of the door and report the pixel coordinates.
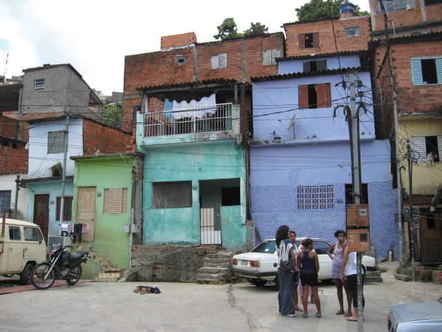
(41, 213)
(431, 239)
(86, 211)
(14, 249)
(209, 235)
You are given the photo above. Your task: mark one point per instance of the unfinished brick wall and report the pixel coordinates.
(179, 40)
(244, 60)
(13, 129)
(327, 42)
(98, 138)
(13, 160)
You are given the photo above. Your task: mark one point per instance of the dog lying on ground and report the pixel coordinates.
(147, 290)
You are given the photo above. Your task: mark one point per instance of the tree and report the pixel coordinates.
(112, 114)
(323, 9)
(227, 30)
(256, 29)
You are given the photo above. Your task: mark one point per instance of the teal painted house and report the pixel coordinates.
(195, 174)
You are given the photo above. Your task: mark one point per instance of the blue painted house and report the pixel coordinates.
(300, 171)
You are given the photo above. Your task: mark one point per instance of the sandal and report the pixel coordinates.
(318, 315)
(340, 312)
(352, 319)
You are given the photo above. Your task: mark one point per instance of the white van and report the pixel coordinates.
(21, 247)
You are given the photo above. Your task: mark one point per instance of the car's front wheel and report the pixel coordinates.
(258, 282)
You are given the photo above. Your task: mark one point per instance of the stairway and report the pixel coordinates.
(108, 272)
(216, 268)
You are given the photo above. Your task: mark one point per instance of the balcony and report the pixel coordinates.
(195, 125)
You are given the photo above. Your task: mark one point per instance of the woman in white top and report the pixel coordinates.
(285, 279)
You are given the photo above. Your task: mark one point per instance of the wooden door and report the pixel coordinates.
(86, 211)
(41, 213)
(431, 239)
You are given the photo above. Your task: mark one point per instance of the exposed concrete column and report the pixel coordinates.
(423, 10)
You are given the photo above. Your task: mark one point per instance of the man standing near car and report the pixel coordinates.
(295, 249)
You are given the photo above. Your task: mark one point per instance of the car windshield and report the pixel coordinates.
(267, 247)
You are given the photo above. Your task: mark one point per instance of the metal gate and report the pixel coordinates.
(209, 235)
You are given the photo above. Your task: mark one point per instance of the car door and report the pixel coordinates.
(322, 248)
(14, 249)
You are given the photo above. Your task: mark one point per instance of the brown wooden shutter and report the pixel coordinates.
(301, 41)
(316, 39)
(323, 95)
(303, 96)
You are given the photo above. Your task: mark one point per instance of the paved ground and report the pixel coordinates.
(189, 307)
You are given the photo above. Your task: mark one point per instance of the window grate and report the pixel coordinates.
(316, 197)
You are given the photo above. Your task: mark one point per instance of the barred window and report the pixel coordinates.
(316, 197)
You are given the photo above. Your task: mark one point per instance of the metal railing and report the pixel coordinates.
(188, 121)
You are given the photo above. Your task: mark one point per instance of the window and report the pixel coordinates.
(56, 141)
(314, 96)
(393, 5)
(352, 31)
(308, 40)
(231, 196)
(115, 200)
(426, 148)
(67, 208)
(266, 247)
(32, 234)
(316, 197)
(349, 197)
(14, 233)
(5, 201)
(269, 57)
(426, 70)
(39, 84)
(321, 247)
(432, 2)
(169, 195)
(313, 66)
(180, 59)
(219, 61)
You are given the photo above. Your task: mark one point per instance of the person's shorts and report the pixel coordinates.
(310, 279)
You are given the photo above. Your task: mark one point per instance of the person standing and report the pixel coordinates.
(285, 278)
(350, 273)
(337, 256)
(295, 269)
(308, 263)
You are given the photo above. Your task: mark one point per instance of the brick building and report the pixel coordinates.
(183, 60)
(407, 54)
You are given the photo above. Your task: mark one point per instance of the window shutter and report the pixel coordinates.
(222, 60)
(323, 93)
(276, 54)
(301, 41)
(439, 146)
(439, 70)
(307, 67)
(316, 39)
(303, 96)
(267, 57)
(419, 147)
(214, 61)
(416, 72)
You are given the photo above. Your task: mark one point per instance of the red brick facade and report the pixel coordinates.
(331, 34)
(13, 129)
(183, 39)
(244, 60)
(98, 138)
(13, 160)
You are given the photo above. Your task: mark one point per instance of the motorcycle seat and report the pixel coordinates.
(78, 254)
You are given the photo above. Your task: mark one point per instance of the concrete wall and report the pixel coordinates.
(53, 188)
(111, 241)
(297, 66)
(7, 182)
(276, 171)
(304, 125)
(63, 91)
(40, 161)
(193, 162)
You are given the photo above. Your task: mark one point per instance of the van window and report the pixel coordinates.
(32, 234)
(14, 233)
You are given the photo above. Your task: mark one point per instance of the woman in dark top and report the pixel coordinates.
(285, 279)
(309, 267)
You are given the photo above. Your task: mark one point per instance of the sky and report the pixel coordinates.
(95, 35)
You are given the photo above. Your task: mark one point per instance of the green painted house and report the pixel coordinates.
(195, 173)
(105, 204)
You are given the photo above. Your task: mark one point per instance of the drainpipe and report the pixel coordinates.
(3, 233)
(63, 187)
(17, 188)
(132, 211)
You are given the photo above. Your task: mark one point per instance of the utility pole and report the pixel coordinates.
(411, 230)
(65, 155)
(356, 178)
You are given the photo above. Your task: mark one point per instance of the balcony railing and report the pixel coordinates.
(216, 118)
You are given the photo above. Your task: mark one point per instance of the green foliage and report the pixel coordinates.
(256, 29)
(112, 114)
(322, 9)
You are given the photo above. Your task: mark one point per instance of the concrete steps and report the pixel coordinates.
(373, 276)
(216, 268)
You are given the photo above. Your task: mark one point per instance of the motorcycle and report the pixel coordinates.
(62, 264)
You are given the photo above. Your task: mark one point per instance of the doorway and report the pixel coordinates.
(41, 213)
(431, 239)
(86, 211)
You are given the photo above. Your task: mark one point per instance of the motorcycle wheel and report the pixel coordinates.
(74, 275)
(38, 274)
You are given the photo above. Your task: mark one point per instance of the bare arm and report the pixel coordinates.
(346, 253)
(317, 262)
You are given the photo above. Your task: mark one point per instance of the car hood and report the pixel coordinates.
(423, 311)
(255, 256)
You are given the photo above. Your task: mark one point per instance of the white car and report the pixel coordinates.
(260, 265)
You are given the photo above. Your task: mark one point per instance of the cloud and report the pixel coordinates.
(94, 36)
